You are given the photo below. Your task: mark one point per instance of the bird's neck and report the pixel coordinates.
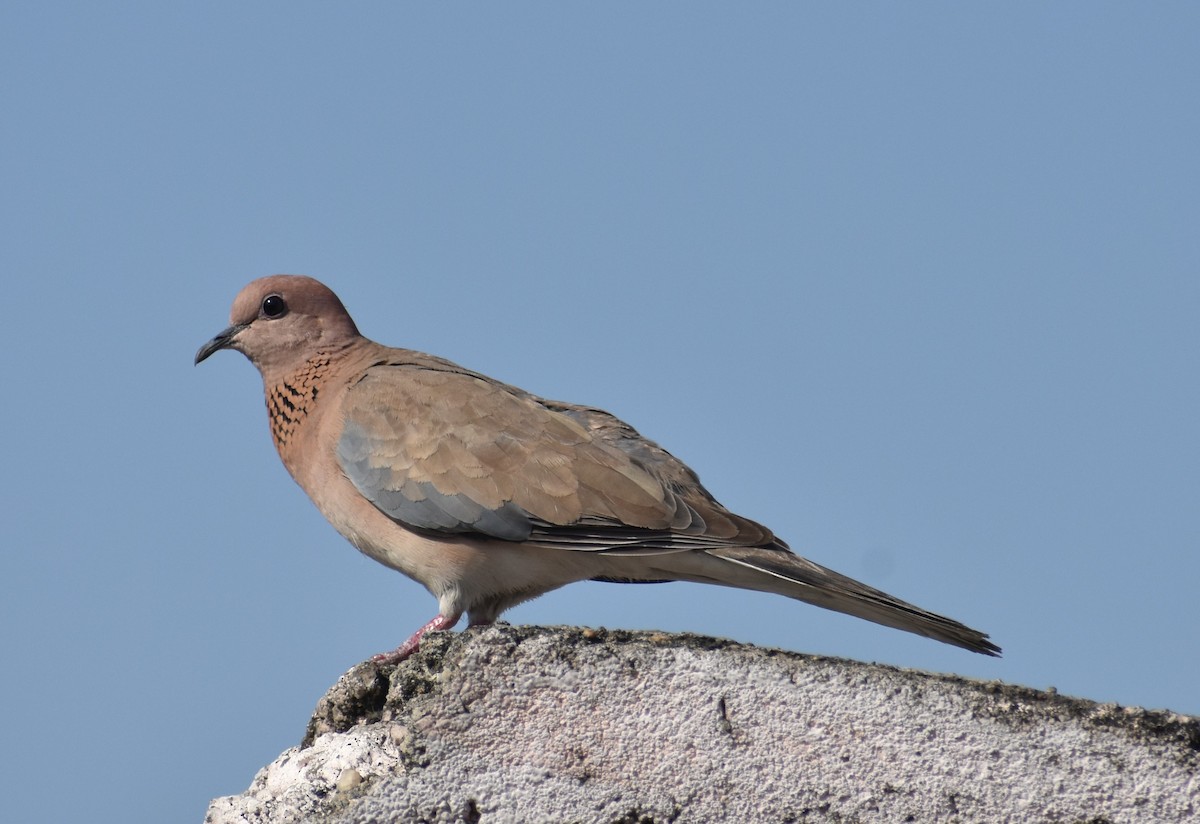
(292, 401)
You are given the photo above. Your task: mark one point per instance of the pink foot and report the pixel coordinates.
(410, 646)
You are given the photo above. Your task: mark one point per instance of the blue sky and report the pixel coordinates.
(916, 285)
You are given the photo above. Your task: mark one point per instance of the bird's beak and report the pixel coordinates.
(222, 341)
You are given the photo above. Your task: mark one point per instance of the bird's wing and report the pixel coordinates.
(438, 448)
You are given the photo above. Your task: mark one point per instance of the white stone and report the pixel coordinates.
(532, 724)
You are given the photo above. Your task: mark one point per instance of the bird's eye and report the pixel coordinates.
(273, 306)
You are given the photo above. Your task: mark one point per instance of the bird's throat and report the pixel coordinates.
(291, 401)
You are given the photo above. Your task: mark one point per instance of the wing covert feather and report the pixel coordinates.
(438, 448)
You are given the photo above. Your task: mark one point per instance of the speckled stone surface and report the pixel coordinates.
(527, 724)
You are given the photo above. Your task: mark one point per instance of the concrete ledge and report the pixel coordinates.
(524, 724)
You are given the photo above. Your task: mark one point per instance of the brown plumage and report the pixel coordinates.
(488, 495)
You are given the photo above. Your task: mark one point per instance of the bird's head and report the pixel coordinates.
(280, 321)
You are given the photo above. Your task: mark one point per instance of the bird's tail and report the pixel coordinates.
(778, 570)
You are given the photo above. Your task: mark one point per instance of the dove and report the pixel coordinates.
(488, 495)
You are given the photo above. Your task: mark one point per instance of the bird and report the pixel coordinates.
(489, 495)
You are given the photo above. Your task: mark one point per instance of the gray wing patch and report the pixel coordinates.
(419, 504)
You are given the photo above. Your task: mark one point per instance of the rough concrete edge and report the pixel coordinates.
(371, 693)
(368, 698)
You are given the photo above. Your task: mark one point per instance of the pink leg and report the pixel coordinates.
(410, 646)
